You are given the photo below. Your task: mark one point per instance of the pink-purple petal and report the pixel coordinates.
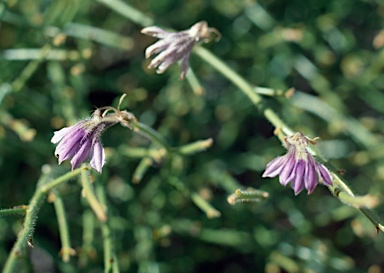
(68, 153)
(160, 58)
(325, 175)
(82, 154)
(155, 31)
(97, 157)
(287, 173)
(73, 132)
(298, 183)
(155, 48)
(184, 66)
(165, 62)
(58, 135)
(311, 177)
(70, 145)
(274, 167)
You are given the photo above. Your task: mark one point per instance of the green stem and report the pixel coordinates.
(373, 218)
(66, 250)
(152, 134)
(270, 115)
(248, 195)
(195, 147)
(138, 152)
(18, 126)
(194, 82)
(28, 54)
(48, 186)
(87, 250)
(230, 74)
(99, 35)
(30, 219)
(26, 233)
(110, 259)
(201, 203)
(127, 11)
(340, 184)
(96, 206)
(341, 190)
(27, 72)
(243, 85)
(366, 201)
(141, 169)
(16, 210)
(269, 92)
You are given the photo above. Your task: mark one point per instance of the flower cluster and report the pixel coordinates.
(175, 46)
(298, 166)
(81, 141)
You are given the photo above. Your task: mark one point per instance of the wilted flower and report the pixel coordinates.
(175, 46)
(298, 166)
(82, 140)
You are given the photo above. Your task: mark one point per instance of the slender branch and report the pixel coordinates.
(373, 218)
(141, 169)
(194, 82)
(26, 233)
(31, 215)
(110, 259)
(248, 195)
(48, 186)
(96, 206)
(99, 35)
(152, 134)
(139, 152)
(243, 85)
(230, 74)
(196, 198)
(195, 147)
(66, 250)
(210, 211)
(28, 71)
(87, 250)
(15, 210)
(341, 190)
(128, 11)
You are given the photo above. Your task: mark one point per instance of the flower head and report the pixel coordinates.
(298, 166)
(81, 141)
(175, 46)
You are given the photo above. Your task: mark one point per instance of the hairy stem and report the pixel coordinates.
(30, 218)
(15, 210)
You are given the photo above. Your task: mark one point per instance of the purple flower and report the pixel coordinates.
(175, 46)
(298, 166)
(82, 141)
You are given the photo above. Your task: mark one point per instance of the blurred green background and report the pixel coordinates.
(59, 60)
